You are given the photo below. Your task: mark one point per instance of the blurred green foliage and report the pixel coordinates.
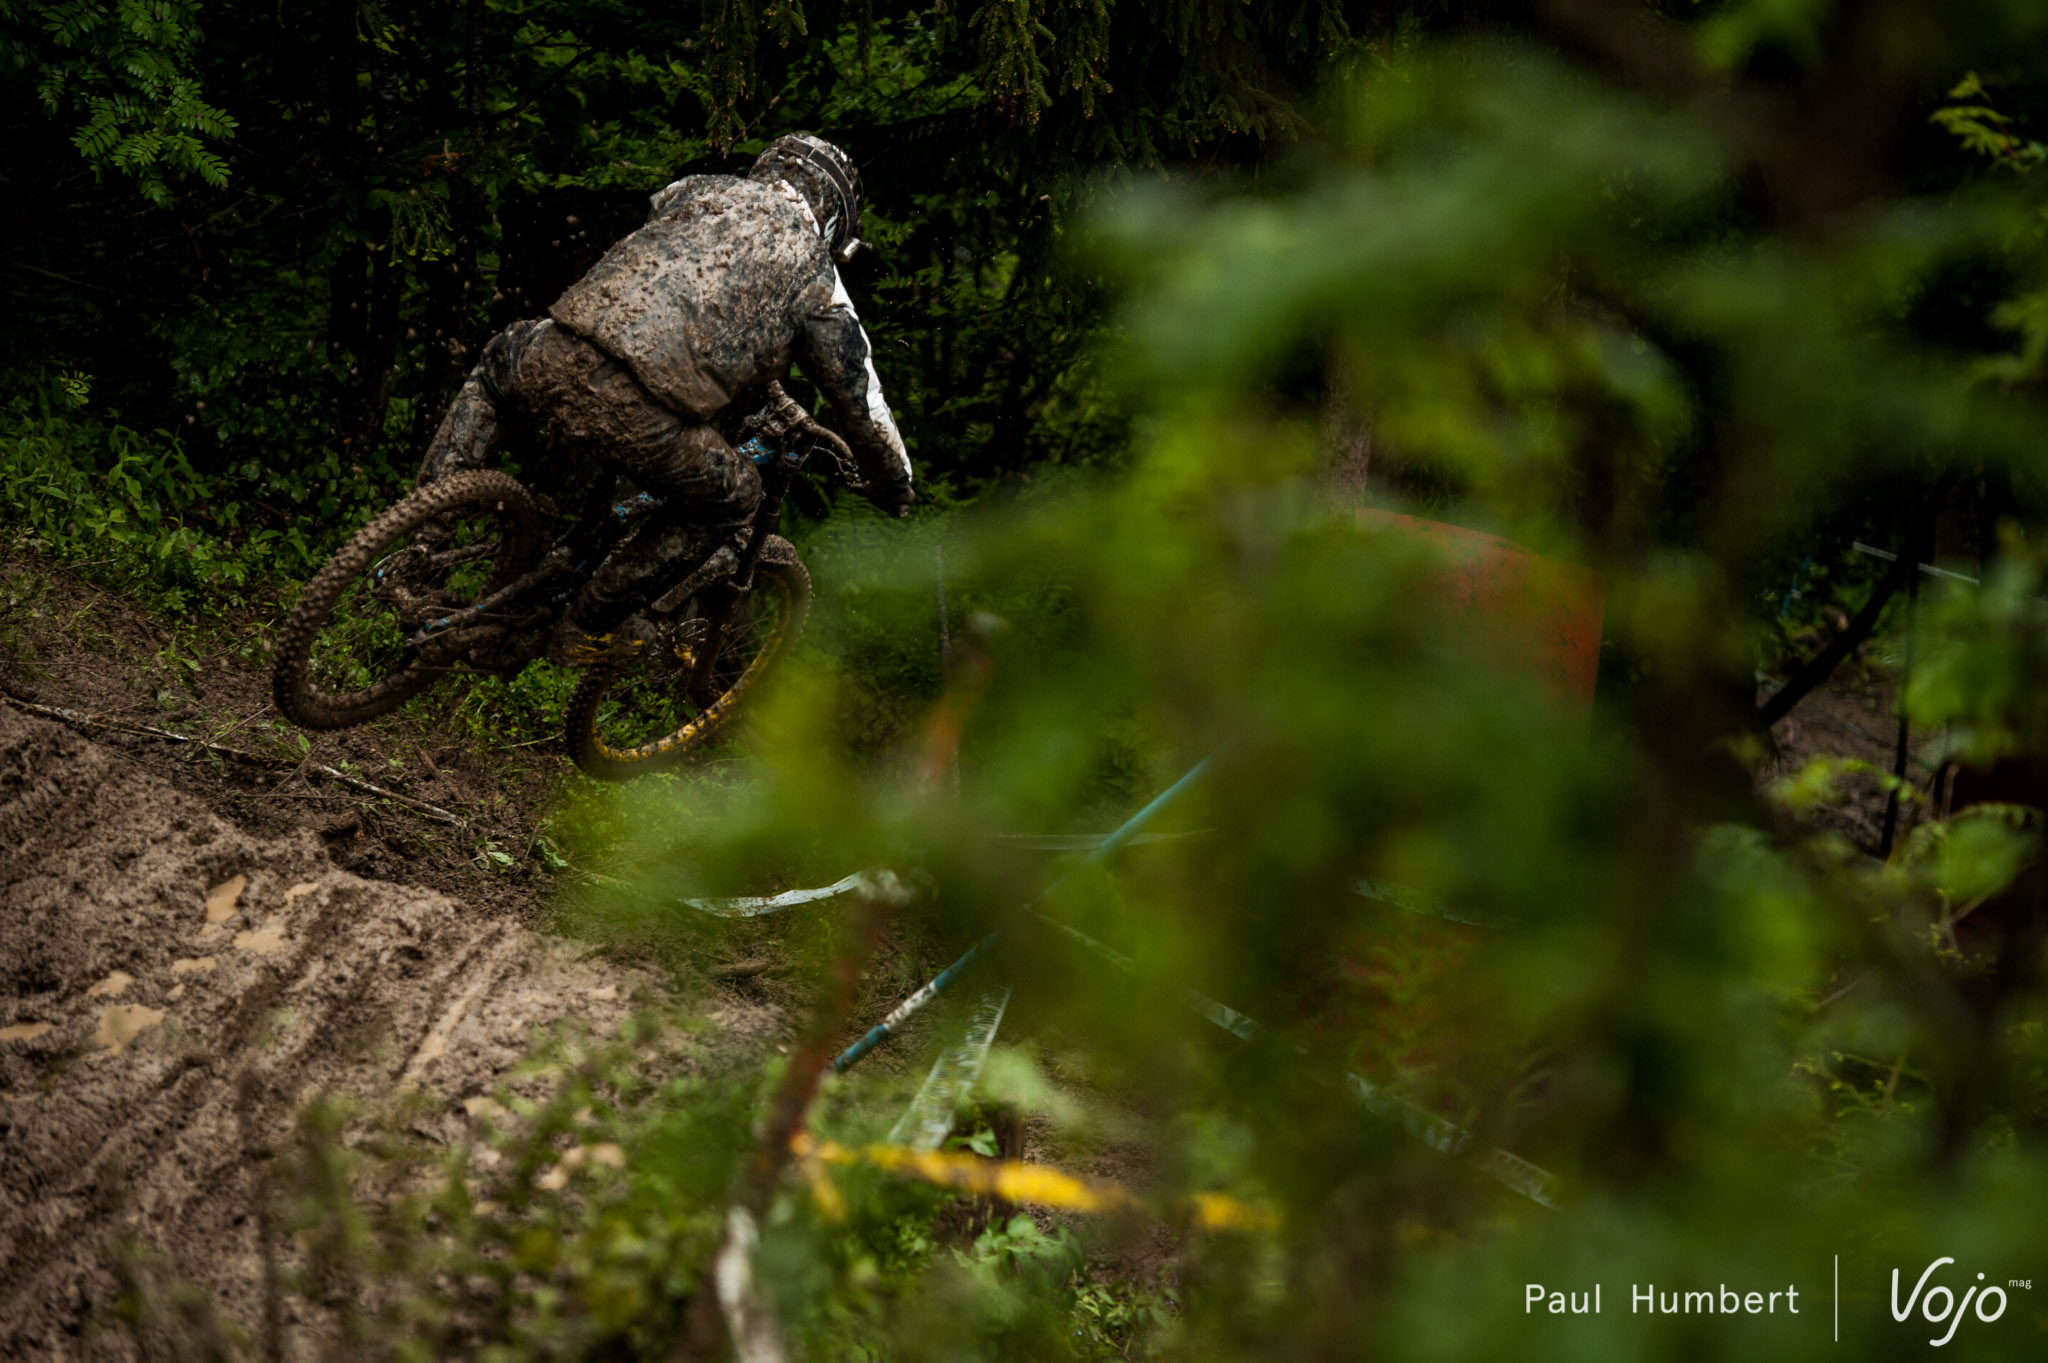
(1586, 311)
(1689, 295)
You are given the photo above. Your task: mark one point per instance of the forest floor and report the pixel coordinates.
(1852, 718)
(193, 945)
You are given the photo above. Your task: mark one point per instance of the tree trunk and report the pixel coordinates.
(454, 286)
(379, 356)
(1346, 444)
(348, 278)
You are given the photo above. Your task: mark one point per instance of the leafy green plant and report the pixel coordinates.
(1120, 1320)
(491, 857)
(124, 70)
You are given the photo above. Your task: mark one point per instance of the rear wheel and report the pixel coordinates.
(639, 717)
(342, 658)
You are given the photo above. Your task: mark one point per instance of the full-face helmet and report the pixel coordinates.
(826, 178)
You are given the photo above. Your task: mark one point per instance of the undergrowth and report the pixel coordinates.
(575, 1214)
(128, 508)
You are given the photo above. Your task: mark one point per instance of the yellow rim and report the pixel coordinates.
(712, 714)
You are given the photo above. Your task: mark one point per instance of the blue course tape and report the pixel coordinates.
(903, 1011)
(1144, 816)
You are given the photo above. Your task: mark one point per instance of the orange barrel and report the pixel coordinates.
(1534, 615)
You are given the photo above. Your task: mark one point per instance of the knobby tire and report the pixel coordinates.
(779, 571)
(293, 686)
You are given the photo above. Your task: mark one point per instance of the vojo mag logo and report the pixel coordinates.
(1937, 1305)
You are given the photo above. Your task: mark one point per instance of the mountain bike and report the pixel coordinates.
(468, 575)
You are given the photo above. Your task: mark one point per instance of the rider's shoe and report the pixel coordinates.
(574, 646)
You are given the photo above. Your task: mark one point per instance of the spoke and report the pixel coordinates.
(649, 706)
(363, 642)
(469, 553)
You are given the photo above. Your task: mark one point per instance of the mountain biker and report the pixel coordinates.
(730, 279)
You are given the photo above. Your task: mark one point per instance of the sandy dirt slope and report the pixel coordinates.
(171, 988)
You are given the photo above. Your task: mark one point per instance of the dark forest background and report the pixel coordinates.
(253, 250)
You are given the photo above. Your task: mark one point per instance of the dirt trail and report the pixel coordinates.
(172, 988)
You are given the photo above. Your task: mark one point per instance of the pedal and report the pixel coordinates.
(614, 649)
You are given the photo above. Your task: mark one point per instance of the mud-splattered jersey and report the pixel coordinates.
(727, 283)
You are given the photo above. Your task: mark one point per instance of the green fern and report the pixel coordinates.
(124, 72)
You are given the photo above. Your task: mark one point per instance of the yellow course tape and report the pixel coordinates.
(1014, 1181)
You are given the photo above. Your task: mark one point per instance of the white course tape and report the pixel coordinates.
(1410, 900)
(1928, 568)
(925, 1124)
(1538, 1185)
(753, 906)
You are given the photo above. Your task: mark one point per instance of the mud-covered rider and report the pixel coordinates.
(729, 281)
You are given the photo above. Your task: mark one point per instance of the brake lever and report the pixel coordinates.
(784, 417)
(841, 454)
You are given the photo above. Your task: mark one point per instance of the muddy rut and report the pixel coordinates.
(172, 989)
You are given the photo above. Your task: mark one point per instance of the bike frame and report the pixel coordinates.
(574, 558)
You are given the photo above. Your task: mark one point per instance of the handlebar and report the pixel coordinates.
(784, 422)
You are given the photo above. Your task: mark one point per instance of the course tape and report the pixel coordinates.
(1411, 900)
(1536, 1184)
(1126, 832)
(926, 1122)
(754, 906)
(903, 1011)
(1031, 1184)
(1088, 842)
(1928, 568)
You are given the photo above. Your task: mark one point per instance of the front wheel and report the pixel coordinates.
(641, 716)
(342, 656)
